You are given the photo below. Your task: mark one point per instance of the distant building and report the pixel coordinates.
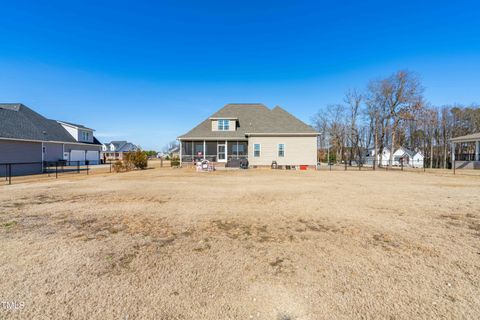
(116, 150)
(402, 156)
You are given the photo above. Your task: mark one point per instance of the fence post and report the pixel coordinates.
(78, 166)
(110, 166)
(87, 167)
(453, 166)
(56, 170)
(401, 164)
(9, 173)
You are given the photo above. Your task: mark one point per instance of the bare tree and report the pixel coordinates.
(354, 99)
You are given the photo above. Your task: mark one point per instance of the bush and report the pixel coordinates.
(137, 159)
(118, 166)
(175, 162)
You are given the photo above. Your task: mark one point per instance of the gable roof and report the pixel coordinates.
(406, 151)
(123, 146)
(252, 118)
(17, 121)
(75, 125)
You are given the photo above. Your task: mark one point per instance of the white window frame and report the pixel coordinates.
(278, 150)
(223, 125)
(259, 150)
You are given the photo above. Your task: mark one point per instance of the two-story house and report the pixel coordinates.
(28, 139)
(254, 132)
(116, 150)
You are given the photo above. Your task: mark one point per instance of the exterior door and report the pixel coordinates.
(221, 153)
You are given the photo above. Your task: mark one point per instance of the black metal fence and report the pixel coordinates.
(45, 168)
(372, 165)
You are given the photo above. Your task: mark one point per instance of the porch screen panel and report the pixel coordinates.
(198, 150)
(242, 149)
(187, 148)
(211, 154)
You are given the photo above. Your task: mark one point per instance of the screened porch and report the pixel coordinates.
(214, 151)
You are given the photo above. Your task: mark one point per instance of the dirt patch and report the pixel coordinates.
(253, 244)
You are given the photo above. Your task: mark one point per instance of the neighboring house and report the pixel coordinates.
(418, 160)
(401, 156)
(28, 137)
(254, 132)
(116, 150)
(381, 159)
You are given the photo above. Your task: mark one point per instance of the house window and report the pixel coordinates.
(256, 150)
(223, 125)
(281, 150)
(85, 136)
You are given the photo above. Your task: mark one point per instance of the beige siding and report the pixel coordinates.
(298, 150)
(232, 126)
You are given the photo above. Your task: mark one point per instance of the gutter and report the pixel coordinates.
(48, 141)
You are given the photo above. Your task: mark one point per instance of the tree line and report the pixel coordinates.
(392, 112)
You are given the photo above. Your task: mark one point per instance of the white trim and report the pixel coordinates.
(204, 149)
(71, 125)
(221, 118)
(225, 152)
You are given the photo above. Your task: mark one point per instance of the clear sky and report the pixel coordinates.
(149, 71)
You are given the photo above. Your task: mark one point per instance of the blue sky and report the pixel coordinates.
(149, 71)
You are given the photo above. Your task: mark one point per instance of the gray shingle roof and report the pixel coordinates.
(252, 119)
(20, 122)
(123, 146)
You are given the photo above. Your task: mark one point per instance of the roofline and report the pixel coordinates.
(459, 139)
(49, 141)
(73, 126)
(221, 118)
(212, 138)
(283, 134)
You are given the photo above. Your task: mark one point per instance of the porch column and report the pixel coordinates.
(477, 150)
(453, 155)
(181, 159)
(204, 149)
(226, 150)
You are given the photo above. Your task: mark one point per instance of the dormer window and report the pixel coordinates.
(223, 125)
(85, 136)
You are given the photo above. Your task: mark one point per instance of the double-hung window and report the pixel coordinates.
(281, 150)
(223, 125)
(256, 150)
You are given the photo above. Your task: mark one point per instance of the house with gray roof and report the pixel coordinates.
(253, 132)
(28, 137)
(116, 150)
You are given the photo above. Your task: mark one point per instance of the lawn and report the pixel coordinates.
(258, 244)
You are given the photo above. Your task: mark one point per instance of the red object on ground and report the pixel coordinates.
(303, 167)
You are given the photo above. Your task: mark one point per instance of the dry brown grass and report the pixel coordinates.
(175, 244)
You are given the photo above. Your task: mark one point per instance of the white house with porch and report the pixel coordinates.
(250, 131)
